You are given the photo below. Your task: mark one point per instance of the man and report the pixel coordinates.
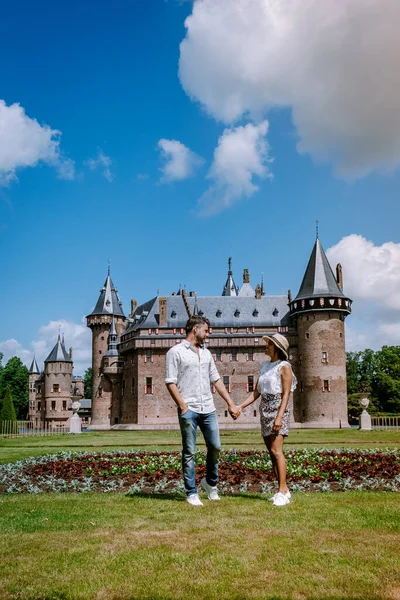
(190, 373)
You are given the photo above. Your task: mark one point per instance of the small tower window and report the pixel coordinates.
(250, 383)
(234, 356)
(218, 313)
(149, 388)
(255, 313)
(326, 386)
(149, 356)
(133, 386)
(53, 405)
(56, 387)
(307, 336)
(275, 312)
(173, 315)
(227, 383)
(237, 313)
(250, 354)
(324, 358)
(218, 355)
(64, 405)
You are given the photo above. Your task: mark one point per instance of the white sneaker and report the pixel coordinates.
(194, 500)
(287, 494)
(210, 490)
(281, 499)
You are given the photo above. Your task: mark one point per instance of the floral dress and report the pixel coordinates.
(270, 388)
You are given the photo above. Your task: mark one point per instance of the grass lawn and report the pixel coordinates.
(12, 449)
(100, 546)
(323, 546)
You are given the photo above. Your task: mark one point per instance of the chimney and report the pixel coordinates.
(186, 303)
(133, 307)
(246, 278)
(339, 276)
(162, 305)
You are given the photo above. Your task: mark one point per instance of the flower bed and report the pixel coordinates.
(250, 471)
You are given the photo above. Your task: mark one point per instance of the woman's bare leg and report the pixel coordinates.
(275, 449)
(268, 441)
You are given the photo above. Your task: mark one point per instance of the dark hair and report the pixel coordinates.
(196, 320)
(281, 355)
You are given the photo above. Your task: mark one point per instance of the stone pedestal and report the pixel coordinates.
(75, 425)
(365, 421)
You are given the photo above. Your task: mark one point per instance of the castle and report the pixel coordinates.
(52, 390)
(128, 353)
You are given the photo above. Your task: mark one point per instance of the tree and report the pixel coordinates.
(8, 411)
(387, 379)
(88, 382)
(15, 375)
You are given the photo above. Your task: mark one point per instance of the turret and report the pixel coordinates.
(57, 385)
(33, 374)
(107, 310)
(230, 288)
(319, 311)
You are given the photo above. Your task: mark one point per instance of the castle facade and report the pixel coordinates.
(128, 353)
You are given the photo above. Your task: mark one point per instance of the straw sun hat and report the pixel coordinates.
(280, 342)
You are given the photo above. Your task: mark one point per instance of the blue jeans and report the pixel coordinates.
(208, 424)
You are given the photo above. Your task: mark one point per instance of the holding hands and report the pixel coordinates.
(235, 411)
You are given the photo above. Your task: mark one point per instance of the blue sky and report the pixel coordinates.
(106, 76)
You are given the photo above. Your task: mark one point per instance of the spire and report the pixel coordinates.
(112, 340)
(34, 367)
(319, 279)
(58, 354)
(108, 302)
(230, 288)
(246, 290)
(196, 308)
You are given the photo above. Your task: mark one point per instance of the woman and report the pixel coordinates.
(275, 382)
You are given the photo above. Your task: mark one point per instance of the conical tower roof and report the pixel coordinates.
(108, 302)
(59, 353)
(112, 340)
(319, 279)
(34, 367)
(230, 288)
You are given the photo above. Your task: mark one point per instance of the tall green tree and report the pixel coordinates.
(88, 382)
(387, 379)
(7, 412)
(15, 375)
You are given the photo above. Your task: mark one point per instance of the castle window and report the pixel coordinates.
(326, 387)
(237, 313)
(53, 405)
(301, 386)
(64, 405)
(100, 392)
(218, 355)
(149, 356)
(39, 406)
(234, 356)
(227, 383)
(56, 387)
(250, 354)
(133, 386)
(102, 337)
(149, 387)
(250, 383)
(255, 313)
(173, 314)
(218, 313)
(226, 413)
(307, 336)
(99, 351)
(275, 312)
(255, 413)
(341, 334)
(324, 358)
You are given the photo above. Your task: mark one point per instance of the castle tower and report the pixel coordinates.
(318, 312)
(33, 375)
(57, 385)
(230, 288)
(107, 309)
(113, 368)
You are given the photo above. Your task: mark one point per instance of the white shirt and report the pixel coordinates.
(270, 381)
(193, 373)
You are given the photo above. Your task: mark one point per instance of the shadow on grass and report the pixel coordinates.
(181, 497)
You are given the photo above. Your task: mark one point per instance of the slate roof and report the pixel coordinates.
(108, 302)
(34, 367)
(222, 311)
(247, 291)
(319, 279)
(59, 353)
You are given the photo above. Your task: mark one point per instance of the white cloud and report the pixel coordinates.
(371, 277)
(179, 161)
(241, 154)
(76, 335)
(333, 62)
(102, 162)
(25, 143)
